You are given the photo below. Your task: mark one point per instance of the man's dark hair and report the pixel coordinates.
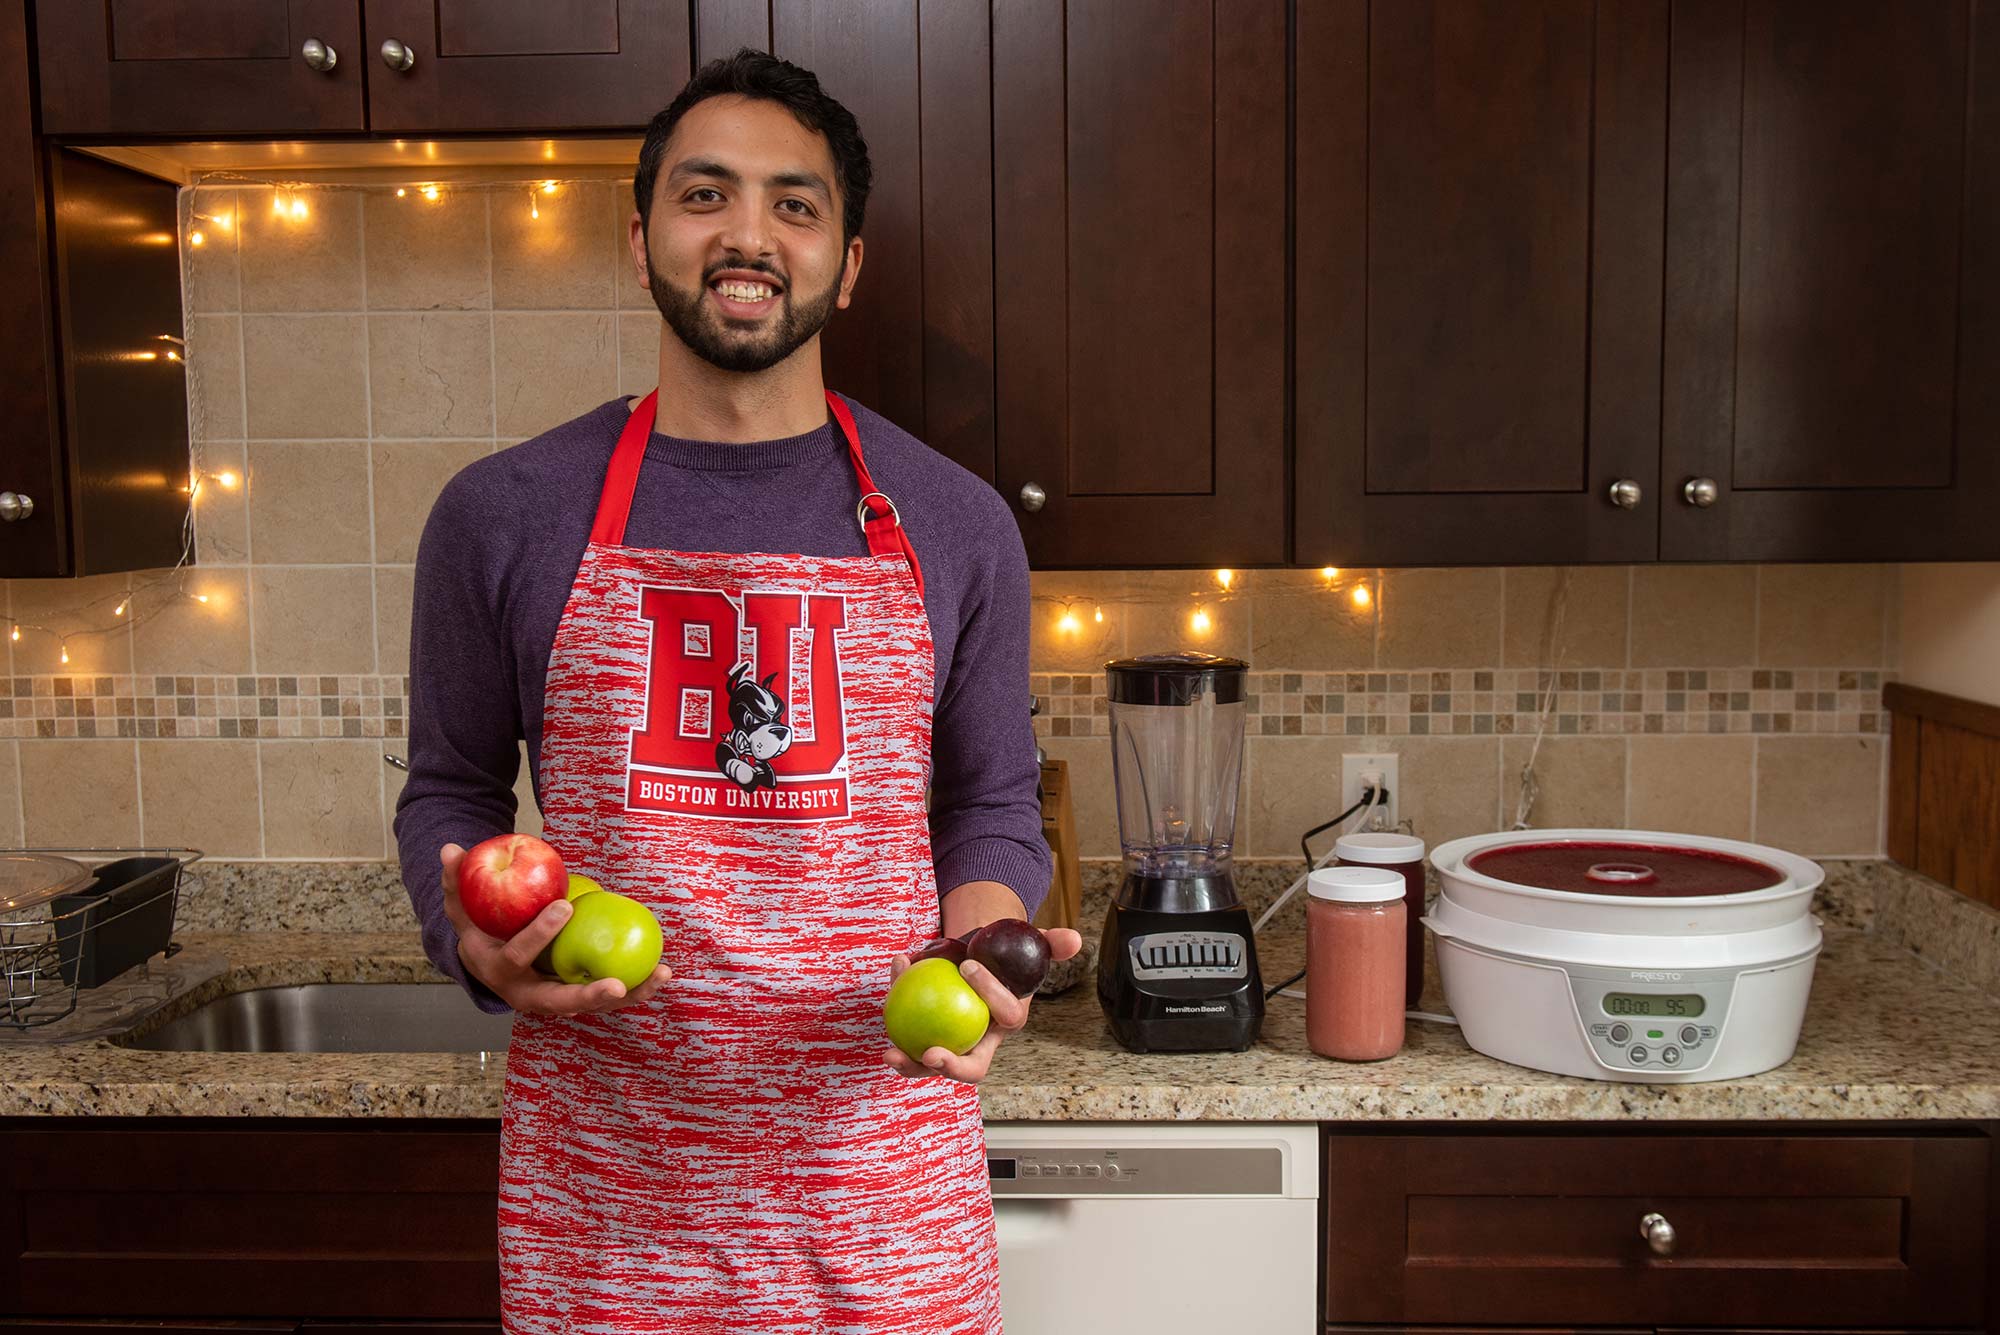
(758, 74)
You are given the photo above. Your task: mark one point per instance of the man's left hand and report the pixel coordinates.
(1010, 1016)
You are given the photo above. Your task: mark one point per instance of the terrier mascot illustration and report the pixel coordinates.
(760, 733)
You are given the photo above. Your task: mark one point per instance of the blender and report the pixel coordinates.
(1177, 967)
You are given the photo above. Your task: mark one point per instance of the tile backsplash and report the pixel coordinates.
(349, 349)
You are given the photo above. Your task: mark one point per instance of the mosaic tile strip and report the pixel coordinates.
(204, 706)
(1505, 701)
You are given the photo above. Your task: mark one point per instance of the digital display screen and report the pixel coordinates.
(1670, 1007)
(1000, 1170)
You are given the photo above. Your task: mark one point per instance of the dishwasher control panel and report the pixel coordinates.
(1136, 1170)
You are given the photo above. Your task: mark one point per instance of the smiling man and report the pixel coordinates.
(744, 626)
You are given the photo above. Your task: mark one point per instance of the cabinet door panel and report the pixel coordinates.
(1139, 256)
(278, 1221)
(31, 465)
(1833, 293)
(526, 65)
(1796, 1230)
(184, 67)
(1476, 222)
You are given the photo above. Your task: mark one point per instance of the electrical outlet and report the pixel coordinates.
(1353, 766)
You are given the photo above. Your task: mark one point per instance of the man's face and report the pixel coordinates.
(744, 255)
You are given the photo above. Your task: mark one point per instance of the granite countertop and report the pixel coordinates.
(1888, 1036)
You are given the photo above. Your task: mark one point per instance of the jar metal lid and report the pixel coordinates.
(1355, 885)
(1378, 849)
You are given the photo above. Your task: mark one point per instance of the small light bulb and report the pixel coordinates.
(1069, 625)
(201, 597)
(197, 239)
(65, 651)
(119, 611)
(1098, 616)
(1225, 577)
(400, 192)
(1329, 572)
(1199, 621)
(534, 209)
(299, 209)
(17, 632)
(226, 478)
(548, 187)
(173, 356)
(1361, 595)
(278, 203)
(430, 192)
(222, 220)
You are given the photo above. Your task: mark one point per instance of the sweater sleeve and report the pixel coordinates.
(464, 723)
(986, 822)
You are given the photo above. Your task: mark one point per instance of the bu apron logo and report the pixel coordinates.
(743, 713)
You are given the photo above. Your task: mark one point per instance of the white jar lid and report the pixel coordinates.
(1355, 885)
(1377, 849)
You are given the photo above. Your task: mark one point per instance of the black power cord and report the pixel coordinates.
(1368, 795)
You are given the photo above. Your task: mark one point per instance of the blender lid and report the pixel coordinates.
(1175, 679)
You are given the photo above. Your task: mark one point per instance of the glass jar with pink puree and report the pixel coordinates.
(1355, 932)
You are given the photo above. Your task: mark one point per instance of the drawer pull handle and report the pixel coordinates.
(1658, 1233)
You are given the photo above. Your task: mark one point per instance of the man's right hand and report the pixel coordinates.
(508, 967)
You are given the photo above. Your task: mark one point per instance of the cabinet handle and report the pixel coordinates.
(319, 56)
(1700, 492)
(1658, 1233)
(1625, 494)
(1033, 497)
(14, 505)
(398, 57)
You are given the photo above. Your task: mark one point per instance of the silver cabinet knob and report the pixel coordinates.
(398, 57)
(1658, 1233)
(1033, 497)
(1625, 494)
(14, 505)
(1700, 492)
(318, 55)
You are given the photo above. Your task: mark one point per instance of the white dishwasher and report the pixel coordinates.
(1165, 1228)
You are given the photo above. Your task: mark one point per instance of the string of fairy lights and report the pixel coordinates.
(203, 225)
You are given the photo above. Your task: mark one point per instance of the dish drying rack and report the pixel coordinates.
(37, 941)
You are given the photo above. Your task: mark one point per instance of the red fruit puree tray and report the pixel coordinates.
(1645, 871)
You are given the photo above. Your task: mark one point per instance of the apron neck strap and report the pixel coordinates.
(880, 523)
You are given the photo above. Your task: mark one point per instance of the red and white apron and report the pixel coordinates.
(734, 1155)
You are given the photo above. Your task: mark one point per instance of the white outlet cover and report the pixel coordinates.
(1353, 765)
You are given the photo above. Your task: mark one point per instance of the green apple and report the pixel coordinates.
(932, 1006)
(580, 885)
(607, 936)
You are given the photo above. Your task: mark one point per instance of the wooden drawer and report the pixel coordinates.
(1834, 1230)
(256, 1221)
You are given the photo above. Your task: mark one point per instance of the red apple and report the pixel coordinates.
(505, 881)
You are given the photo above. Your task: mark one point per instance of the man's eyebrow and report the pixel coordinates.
(801, 180)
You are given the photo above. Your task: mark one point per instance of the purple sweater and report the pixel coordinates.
(502, 547)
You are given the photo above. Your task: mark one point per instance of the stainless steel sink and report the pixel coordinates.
(335, 1017)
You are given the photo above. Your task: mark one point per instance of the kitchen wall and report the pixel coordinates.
(1950, 629)
(350, 349)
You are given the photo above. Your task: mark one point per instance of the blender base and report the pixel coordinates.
(1180, 982)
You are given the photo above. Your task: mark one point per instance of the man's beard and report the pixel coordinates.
(702, 327)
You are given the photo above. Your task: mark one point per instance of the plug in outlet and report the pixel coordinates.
(1356, 769)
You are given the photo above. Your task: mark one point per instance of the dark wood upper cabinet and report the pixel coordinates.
(442, 66)
(916, 344)
(166, 68)
(1139, 253)
(1832, 358)
(93, 386)
(1478, 193)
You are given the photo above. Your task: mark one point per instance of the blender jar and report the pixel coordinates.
(1177, 757)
